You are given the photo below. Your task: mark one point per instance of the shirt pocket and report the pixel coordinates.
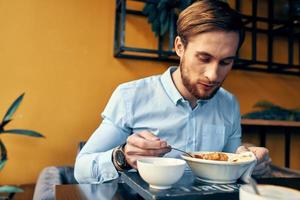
(212, 137)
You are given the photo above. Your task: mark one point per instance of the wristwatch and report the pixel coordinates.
(119, 159)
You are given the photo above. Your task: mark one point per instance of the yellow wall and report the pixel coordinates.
(60, 53)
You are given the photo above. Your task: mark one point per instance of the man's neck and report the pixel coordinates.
(176, 76)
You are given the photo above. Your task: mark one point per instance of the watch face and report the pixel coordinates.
(120, 158)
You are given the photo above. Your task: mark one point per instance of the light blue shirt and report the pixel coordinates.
(154, 104)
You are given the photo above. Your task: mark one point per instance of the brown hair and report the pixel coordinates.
(209, 15)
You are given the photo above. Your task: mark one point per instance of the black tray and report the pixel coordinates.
(188, 187)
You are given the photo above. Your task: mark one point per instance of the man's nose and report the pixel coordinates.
(211, 72)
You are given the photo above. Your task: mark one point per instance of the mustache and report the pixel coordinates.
(208, 82)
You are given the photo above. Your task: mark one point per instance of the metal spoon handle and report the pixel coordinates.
(182, 151)
(254, 185)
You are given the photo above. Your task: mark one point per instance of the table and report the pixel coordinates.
(106, 191)
(119, 190)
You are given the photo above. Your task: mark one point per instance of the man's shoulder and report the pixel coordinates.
(142, 83)
(225, 95)
(226, 102)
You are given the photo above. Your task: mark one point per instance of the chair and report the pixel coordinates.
(51, 176)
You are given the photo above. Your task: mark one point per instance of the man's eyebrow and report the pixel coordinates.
(203, 53)
(230, 58)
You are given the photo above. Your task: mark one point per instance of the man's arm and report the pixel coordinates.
(94, 162)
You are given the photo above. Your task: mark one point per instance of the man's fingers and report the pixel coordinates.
(134, 153)
(143, 143)
(148, 135)
(263, 160)
(261, 153)
(262, 168)
(241, 149)
(133, 150)
(262, 165)
(132, 161)
(263, 171)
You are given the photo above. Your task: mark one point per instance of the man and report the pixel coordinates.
(185, 107)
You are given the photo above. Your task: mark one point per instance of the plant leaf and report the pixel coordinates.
(3, 151)
(10, 189)
(152, 15)
(297, 110)
(162, 4)
(183, 4)
(4, 123)
(156, 26)
(3, 155)
(164, 25)
(12, 109)
(265, 105)
(2, 164)
(146, 9)
(23, 132)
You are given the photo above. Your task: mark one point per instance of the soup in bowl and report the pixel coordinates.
(219, 167)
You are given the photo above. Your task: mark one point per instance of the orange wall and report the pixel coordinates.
(60, 54)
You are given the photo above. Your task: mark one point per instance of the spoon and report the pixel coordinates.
(182, 151)
(253, 185)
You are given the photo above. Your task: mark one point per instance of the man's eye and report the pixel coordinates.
(204, 60)
(226, 62)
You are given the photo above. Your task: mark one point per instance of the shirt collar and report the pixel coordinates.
(169, 86)
(202, 102)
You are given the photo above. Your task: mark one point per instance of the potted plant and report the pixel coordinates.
(163, 14)
(3, 151)
(269, 111)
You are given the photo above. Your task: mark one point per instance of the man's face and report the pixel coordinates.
(206, 61)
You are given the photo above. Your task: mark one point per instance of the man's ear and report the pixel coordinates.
(179, 47)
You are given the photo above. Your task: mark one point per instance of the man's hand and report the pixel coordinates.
(263, 160)
(144, 144)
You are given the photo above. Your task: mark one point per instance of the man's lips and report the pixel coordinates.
(206, 86)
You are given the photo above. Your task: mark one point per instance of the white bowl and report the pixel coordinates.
(268, 192)
(213, 171)
(160, 172)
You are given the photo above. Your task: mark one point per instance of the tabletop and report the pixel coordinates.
(130, 186)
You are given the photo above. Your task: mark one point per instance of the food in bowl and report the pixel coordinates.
(242, 157)
(160, 172)
(220, 171)
(220, 156)
(212, 156)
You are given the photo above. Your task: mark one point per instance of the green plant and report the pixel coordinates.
(270, 111)
(7, 119)
(161, 12)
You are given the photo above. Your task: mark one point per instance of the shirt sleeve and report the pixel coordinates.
(234, 140)
(93, 163)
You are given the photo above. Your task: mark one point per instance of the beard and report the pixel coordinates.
(192, 87)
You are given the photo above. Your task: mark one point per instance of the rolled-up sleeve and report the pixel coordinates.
(93, 163)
